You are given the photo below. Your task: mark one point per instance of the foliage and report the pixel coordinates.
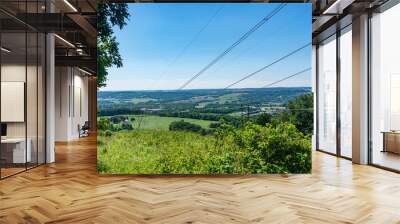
(127, 126)
(197, 102)
(251, 149)
(120, 118)
(162, 123)
(215, 125)
(263, 119)
(108, 133)
(118, 111)
(103, 124)
(276, 149)
(276, 142)
(265, 106)
(109, 15)
(163, 152)
(301, 112)
(184, 126)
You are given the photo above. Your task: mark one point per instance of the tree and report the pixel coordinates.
(184, 126)
(301, 112)
(214, 125)
(263, 119)
(109, 15)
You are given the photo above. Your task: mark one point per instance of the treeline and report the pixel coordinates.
(194, 115)
(235, 121)
(187, 126)
(118, 111)
(116, 123)
(299, 112)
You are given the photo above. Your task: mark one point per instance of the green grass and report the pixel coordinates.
(160, 152)
(251, 149)
(148, 122)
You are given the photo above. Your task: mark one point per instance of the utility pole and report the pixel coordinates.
(248, 112)
(242, 113)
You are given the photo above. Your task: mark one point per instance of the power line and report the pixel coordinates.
(189, 44)
(288, 77)
(267, 66)
(250, 48)
(230, 48)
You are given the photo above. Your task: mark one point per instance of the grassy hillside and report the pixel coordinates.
(252, 149)
(145, 141)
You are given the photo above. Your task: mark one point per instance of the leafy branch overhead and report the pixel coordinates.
(109, 15)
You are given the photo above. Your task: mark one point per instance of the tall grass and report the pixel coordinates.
(161, 152)
(251, 149)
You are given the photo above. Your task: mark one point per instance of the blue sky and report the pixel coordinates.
(157, 33)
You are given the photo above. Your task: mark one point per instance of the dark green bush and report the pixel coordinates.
(119, 118)
(268, 149)
(104, 124)
(127, 126)
(184, 126)
(263, 119)
(108, 133)
(214, 125)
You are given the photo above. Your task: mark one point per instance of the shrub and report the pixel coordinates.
(263, 119)
(108, 133)
(127, 126)
(207, 131)
(104, 124)
(282, 146)
(214, 125)
(268, 149)
(251, 149)
(184, 126)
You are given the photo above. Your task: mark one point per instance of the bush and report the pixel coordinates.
(127, 126)
(108, 133)
(104, 124)
(184, 126)
(268, 149)
(121, 118)
(214, 125)
(251, 149)
(207, 131)
(263, 119)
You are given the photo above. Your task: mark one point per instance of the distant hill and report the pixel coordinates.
(216, 101)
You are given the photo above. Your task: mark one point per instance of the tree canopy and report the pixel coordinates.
(109, 15)
(301, 112)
